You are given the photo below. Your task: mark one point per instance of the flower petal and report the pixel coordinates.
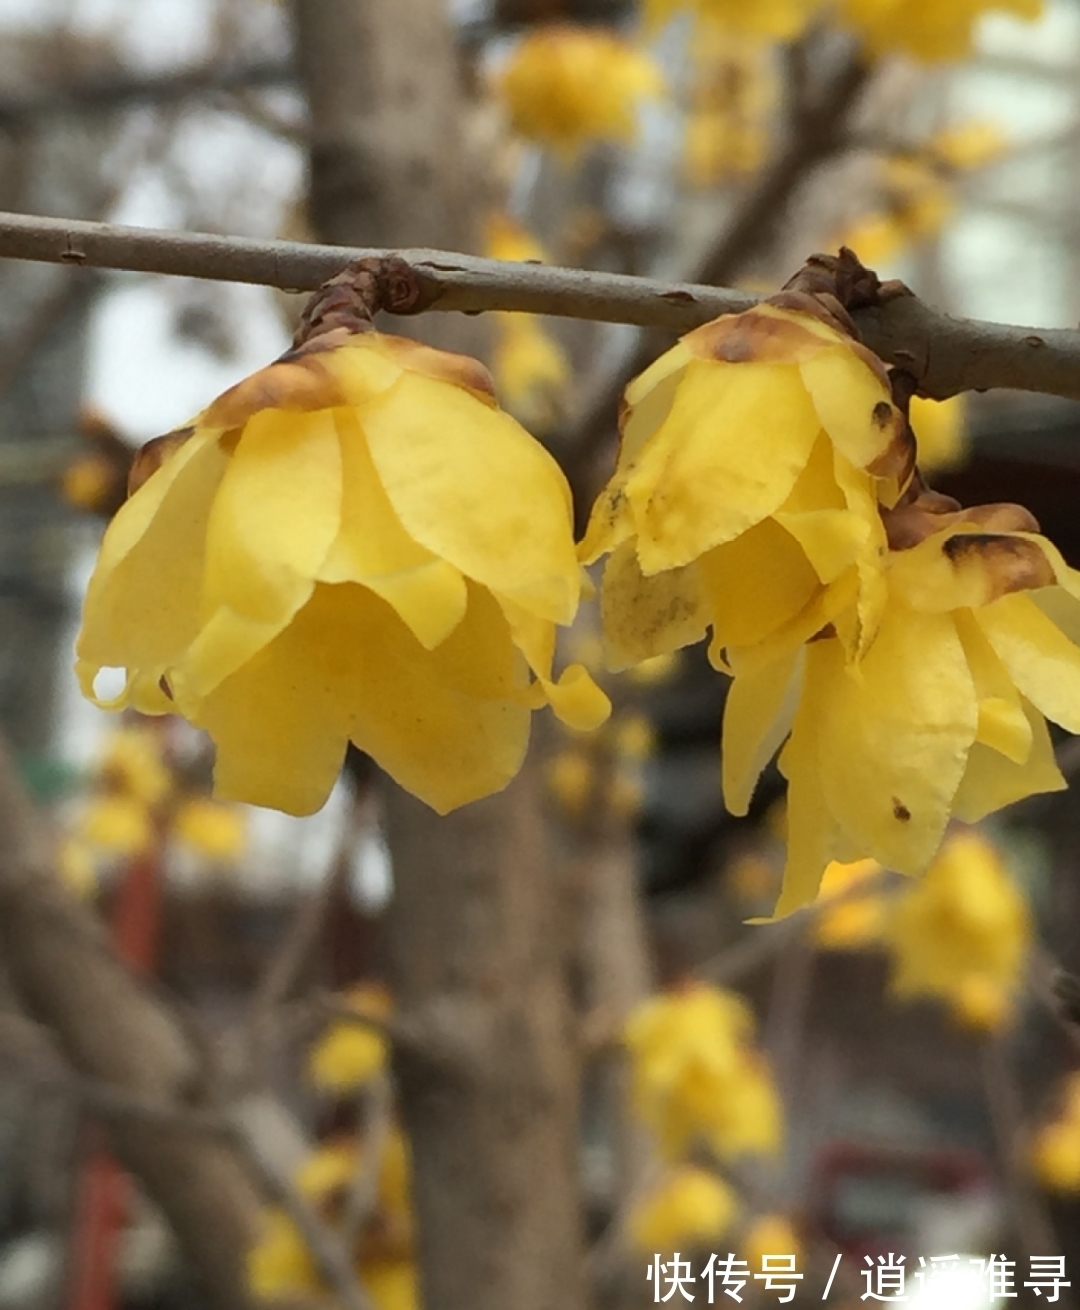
(444, 723)
(372, 547)
(1042, 662)
(992, 780)
(574, 697)
(896, 737)
(143, 602)
(1003, 723)
(853, 405)
(644, 617)
(758, 714)
(474, 488)
(727, 456)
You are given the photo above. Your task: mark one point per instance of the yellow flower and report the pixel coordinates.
(753, 455)
(965, 920)
(633, 736)
(732, 99)
(353, 543)
(506, 238)
(855, 922)
(88, 481)
(691, 1207)
(565, 85)
(278, 1265)
(571, 775)
(969, 145)
(75, 865)
(348, 1054)
(943, 714)
(940, 433)
(1055, 1154)
(771, 1234)
(391, 1284)
(926, 29)
(216, 832)
(117, 825)
(765, 20)
(697, 1075)
(531, 370)
(329, 1169)
(132, 763)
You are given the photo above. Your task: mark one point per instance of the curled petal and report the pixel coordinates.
(644, 617)
(1041, 660)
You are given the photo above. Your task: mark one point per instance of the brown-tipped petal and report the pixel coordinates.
(764, 335)
(930, 512)
(297, 382)
(150, 457)
(461, 370)
(969, 569)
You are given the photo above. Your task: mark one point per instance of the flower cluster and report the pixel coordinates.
(904, 651)
(354, 543)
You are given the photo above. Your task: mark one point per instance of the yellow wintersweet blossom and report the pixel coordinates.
(354, 543)
(764, 20)
(566, 85)
(1055, 1152)
(212, 830)
(132, 763)
(856, 920)
(926, 29)
(531, 370)
(279, 1263)
(944, 713)
(963, 929)
(391, 1284)
(698, 1077)
(506, 238)
(732, 98)
(348, 1054)
(971, 144)
(117, 825)
(75, 865)
(940, 432)
(689, 1207)
(771, 1234)
(752, 460)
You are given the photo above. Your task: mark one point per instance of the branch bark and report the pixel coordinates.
(946, 355)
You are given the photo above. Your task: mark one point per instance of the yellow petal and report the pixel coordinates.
(758, 715)
(574, 697)
(896, 736)
(754, 585)
(1003, 724)
(853, 405)
(142, 604)
(971, 568)
(372, 547)
(727, 456)
(992, 781)
(449, 725)
(472, 486)
(645, 617)
(1042, 662)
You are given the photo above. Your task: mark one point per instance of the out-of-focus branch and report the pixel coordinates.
(119, 90)
(111, 1029)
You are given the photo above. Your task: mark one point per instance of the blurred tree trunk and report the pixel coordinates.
(489, 1082)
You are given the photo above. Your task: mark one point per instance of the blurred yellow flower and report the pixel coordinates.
(689, 1208)
(854, 922)
(565, 85)
(633, 736)
(940, 433)
(765, 20)
(771, 1234)
(753, 454)
(1055, 1151)
(571, 775)
(531, 370)
(926, 29)
(348, 1054)
(75, 865)
(278, 1264)
(132, 762)
(969, 145)
(506, 238)
(354, 543)
(732, 98)
(116, 824)
(391, 1284)
(88, 481)
(211, 829)
(330, 1168)
(962, 932)
(697, 1076)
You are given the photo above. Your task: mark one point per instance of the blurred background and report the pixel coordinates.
(885, 1075)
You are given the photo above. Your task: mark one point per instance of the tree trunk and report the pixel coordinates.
(489, 1081)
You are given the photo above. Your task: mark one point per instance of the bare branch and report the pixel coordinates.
(946, 355)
